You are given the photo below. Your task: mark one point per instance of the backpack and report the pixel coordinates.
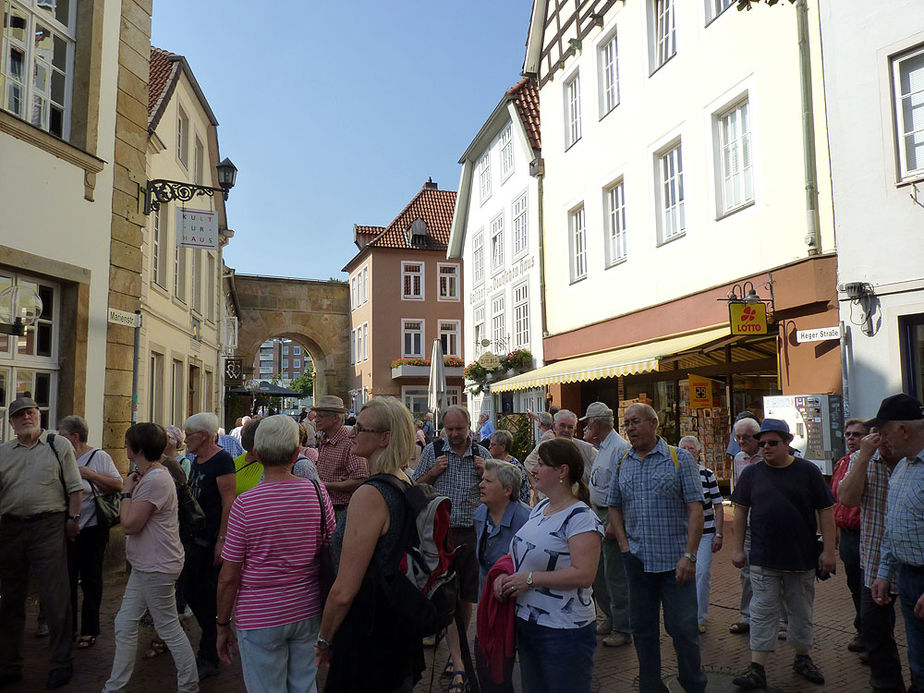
(422, 586)
(190, 515)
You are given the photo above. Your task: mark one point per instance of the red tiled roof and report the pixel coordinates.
(435, 207)
(164, 67)
(525, 95)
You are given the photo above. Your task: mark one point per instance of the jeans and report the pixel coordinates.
(878, 629)
(849, 549)
(556, 659)
(745, 578)
(154, 592)
(647, 593)
(611, 589)
(200, 587)
(910, 589)
(703, 576)
(85, 563)
(771, 587)
(280, 658)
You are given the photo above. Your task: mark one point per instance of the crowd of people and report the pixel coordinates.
(285, 536)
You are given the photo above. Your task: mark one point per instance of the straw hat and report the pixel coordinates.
(329, 403)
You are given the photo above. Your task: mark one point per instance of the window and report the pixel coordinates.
(614, 209)
(497, 242)
(412, 276)
(354, 292)
(479, 327)
(199, 162)
(498, 321)
(735, 158)
(365, 284)
(609, 75)
(158, 250)
(178, 391)
(478, 257)
(665, 37)
(449, 282)
(182, 137)
(352, 346)
(716, 7)
(506, 152)
(297, 364)
(449, 337)
(911, 331)
(520, 226)
(521, 316)
(179, 273)
(672, 221)
(416, 399)
(37, 63)
(297, 350)
(285, 364)
(211, 279)
(908, 80)
(156, 387)
(572, 111)
(365, 341)
(412, 334)
(484, 176)
(209, 380)
(578, 245)
(196, 281)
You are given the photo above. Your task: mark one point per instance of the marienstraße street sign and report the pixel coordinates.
(123, 317)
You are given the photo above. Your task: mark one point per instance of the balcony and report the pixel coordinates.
(420, 368)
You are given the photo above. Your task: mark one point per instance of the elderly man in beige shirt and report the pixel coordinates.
(564, 424)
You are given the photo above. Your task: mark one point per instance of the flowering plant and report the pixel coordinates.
(448, 361)
(518, 358)
(453, 362)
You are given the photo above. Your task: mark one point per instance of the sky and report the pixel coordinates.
(340, 119)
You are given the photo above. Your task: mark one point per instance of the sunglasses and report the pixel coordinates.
(769, 443)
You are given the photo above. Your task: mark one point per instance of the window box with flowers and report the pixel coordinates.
(518, 360)
(418, 367)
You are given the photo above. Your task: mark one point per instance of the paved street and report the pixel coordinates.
(615, 670)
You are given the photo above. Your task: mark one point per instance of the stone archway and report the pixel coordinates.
(315, 314)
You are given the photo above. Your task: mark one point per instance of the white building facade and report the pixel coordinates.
(874, 83)
(497, 232)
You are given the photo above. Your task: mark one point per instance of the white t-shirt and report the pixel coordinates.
(541, 545)
(98, 461)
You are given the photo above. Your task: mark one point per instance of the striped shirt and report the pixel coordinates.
(712, 496)
(904, 525)
(275, 531)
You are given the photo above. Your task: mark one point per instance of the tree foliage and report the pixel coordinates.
(303, 384)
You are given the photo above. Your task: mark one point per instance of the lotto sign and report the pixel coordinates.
(197, 228)
(747, 318)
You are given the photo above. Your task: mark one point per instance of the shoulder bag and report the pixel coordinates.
(108, 505)
(325, 560)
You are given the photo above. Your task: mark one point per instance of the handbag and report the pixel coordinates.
(326, 574)
(108, 505)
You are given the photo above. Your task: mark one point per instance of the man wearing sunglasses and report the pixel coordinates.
(783, 494)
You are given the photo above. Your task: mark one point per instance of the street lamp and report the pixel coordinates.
(159, 191)
(20, 306)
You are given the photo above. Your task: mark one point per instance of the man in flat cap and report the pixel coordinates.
(40, 496)
(341, 471)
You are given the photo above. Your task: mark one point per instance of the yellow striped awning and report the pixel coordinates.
(629, 360)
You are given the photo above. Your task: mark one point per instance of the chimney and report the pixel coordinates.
(430, 185)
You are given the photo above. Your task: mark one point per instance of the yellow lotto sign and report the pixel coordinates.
(747, 318)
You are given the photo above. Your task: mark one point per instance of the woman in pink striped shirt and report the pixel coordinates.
(270, 577)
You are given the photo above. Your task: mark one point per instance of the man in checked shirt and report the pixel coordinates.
(341, 471)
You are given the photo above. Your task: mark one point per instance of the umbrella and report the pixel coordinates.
(436, 389)
(268, 389)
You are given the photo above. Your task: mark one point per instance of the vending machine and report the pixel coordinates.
(817, 425)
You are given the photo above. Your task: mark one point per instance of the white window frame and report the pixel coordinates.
(453, 344)
(902, 94)
(519, 213)
(608, 68)
(182, 137)
(365, 283)
(155, 398)
(422, 331)
(353, 346)
(670, 193)
(420, 274)
(736, 150)
(577, 243)
(506, 152)
(484, 177)
(413, 395)
(451, 282)
(478, 257)
(196, 281)
(497, 243)
(354, 292)
(572, 102)
(365, 329)
(714, 8)
(211, 278)
(614, 218)
(521, 325)
(179, 273)
(158, 249)
(498, 320)
(663, 39)
(480, 330)
(198, 161)
(40, 69)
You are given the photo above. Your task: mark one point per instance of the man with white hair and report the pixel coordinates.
(749, 453)
(211, 483)
(565, 422)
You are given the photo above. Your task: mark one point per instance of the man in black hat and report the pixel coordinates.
(782, 493)
(40, 496)
(900, 423)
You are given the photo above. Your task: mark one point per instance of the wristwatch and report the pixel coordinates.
(322, 644)
(529, 580)
(690, 556)
(75, 518)
(126, 495)
(222, 623)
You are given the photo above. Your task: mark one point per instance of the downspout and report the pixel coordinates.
(542, 302)
(813, 233)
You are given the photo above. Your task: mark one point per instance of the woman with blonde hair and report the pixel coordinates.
(358, 617)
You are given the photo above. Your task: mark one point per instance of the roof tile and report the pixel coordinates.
(435, 207)
(163, 65)
(525, 95)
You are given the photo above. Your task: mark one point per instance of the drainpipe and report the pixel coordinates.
(813, 234)
(540, 171)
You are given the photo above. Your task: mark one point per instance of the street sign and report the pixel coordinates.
(197, 228)
(819, 334)
(234, 371)
(489, 361)
(747, 318)
(123, 317)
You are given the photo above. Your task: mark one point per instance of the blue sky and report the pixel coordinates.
(339, 119)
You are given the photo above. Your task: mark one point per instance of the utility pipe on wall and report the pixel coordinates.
(813, 233)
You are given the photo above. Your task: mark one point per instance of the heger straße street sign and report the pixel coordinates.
(819, 334)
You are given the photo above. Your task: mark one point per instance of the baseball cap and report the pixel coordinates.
(595, 409)
(777, 426)
(20, 403)
(900, 407)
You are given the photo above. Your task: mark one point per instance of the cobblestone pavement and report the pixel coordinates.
(615, 669)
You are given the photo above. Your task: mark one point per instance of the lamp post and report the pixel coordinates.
(160, 191)
(20, 307)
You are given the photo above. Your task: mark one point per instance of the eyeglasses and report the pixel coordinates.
(854, 434)
(359, 429)
(769, 443)
(634, 422)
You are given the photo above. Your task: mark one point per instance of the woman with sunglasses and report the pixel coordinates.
(357, 618)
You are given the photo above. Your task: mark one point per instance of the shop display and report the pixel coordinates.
(710, 426)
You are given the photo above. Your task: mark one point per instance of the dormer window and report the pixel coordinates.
(417, 232)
